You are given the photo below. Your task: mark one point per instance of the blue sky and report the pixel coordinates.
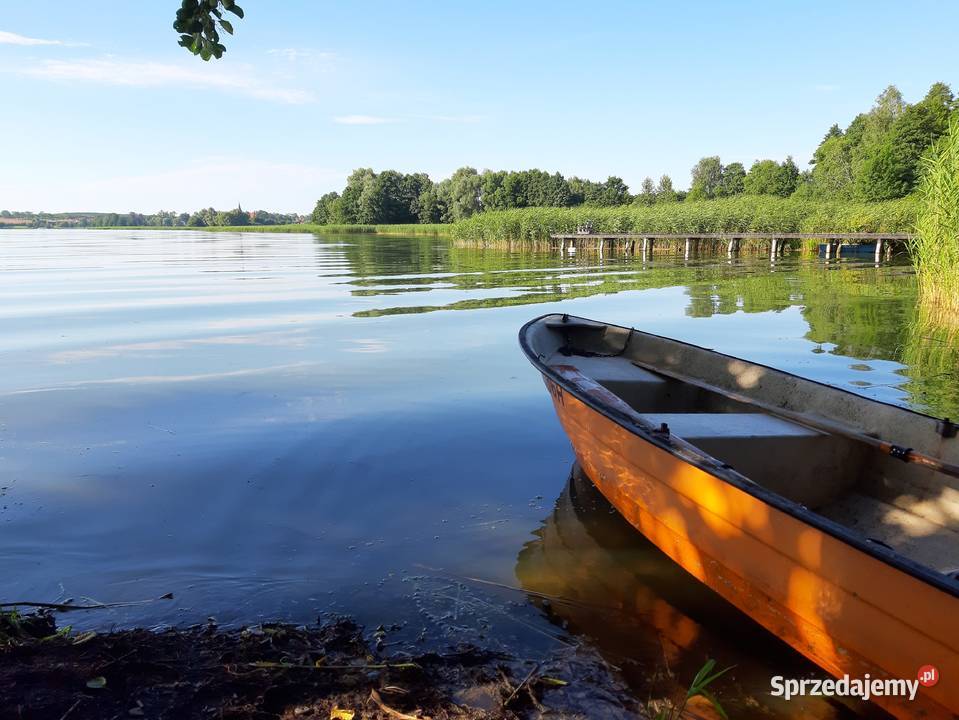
(101, 109)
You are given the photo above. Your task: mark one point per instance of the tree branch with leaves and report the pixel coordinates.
(197, 22)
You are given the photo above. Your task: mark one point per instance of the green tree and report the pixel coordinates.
(430, 208)
(647, 192)
(579, 189)
(664, 190)
(707, 179)
(515, 190)
(464, 192)
(762, 177)
(493, 194)
(410, 188)
(322, 212)
(804, 186)
(767, 177)
(356, 184)
(788, 177)
(231, 218)
(545, 190)
(892, 169)
(731, 182)
(832, 174)
(611, 193)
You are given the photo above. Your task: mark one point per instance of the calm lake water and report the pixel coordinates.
(280, 426)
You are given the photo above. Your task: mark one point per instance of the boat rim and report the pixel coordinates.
(800, 512)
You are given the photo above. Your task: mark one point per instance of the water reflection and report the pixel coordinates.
(604, 581)
(852, 308)
(271, 426)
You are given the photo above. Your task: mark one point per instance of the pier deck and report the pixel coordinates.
(628, 241)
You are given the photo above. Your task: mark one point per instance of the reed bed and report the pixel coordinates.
(935, 246)
(739, 214)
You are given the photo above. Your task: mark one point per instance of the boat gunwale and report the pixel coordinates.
(713, 467)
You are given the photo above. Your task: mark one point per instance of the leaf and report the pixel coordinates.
(697, 680)
(236, 10)
(378, 701)
(714, 676)
(341, 714)
(553, 681)
(715, 703)
(227, 25)
(97, 683)
(405, 666)
(84, 637)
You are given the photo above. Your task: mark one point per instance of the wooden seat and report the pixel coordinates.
(706, 426)
(805, 465)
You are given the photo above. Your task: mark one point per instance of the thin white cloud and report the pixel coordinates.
(362, 120)
(297, 54)
(10, 38)
(380, 120)
(452, 118)
(115, 71)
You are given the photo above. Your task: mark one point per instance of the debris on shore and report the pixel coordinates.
(332, 670)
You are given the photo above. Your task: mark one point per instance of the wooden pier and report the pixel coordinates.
(629, 243)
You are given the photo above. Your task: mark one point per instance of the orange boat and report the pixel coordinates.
(830, 519)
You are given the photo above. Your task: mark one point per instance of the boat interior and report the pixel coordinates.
(767, 425)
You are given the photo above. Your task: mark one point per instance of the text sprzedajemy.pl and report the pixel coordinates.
(864, 687)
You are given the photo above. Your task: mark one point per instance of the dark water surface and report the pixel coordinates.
(278, 426)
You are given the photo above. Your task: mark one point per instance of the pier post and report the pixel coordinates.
(689, 242)
(772, 248)
(878, 250)
(828, 248)
(731, 247)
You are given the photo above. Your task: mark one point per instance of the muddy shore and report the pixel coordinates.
(331, 670)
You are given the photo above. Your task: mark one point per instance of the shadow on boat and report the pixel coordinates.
(595, 576)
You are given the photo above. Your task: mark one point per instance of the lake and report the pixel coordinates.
(281, 426)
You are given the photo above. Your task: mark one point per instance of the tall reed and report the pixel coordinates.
(748, 213)
(935, 247)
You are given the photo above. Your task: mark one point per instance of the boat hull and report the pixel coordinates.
(847, 611)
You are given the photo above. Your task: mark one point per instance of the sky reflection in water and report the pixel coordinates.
(284, 425)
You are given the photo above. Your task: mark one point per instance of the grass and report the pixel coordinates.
(697, 688)
(935, 247)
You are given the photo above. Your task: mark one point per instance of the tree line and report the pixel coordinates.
(207, 217)
(877, 157)
(388, 197)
